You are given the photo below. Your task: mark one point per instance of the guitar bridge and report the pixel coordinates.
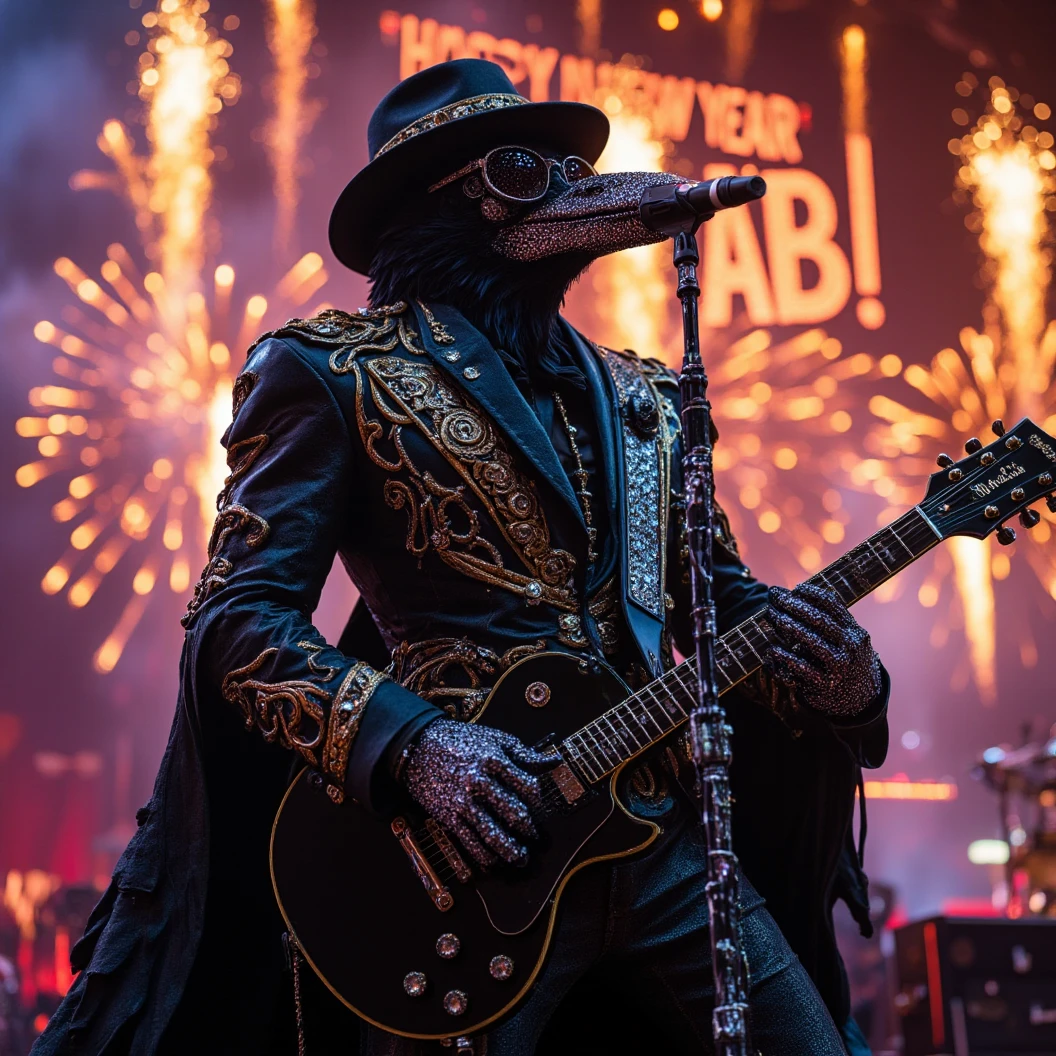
(447, 848)
(570, 787)
(440, 896)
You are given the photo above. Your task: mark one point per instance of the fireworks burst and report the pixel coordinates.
(291, 29)
(144, 370)
(779, 406)
(1003, 370)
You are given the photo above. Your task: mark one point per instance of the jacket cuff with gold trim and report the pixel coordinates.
(392, 721)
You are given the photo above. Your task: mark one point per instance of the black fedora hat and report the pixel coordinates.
(432, 124)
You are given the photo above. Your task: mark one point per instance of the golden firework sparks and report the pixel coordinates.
(1004, 370)
(742, 24)
(858, 149)
(291, 30)
(588, 14)
(144, 368)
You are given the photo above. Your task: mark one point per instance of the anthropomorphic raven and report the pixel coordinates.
(497, 486)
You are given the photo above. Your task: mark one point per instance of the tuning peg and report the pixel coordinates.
(1006, 535)
(973, 445)
(1029, 518)
(1051, 503)
(998, 427)
(944, 461)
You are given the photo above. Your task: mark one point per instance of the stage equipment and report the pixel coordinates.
(678, 210)
(1025, 781)
(984, 987)
(454, 950)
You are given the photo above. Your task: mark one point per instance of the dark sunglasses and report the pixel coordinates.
(517, 174)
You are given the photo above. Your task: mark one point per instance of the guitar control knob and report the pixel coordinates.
(998, 427)
(501, 967)
(448, 945)
(1029, 518)
(1006, 535)
(944, 461)
(973, 445)
(455, 1002)
(415, 984)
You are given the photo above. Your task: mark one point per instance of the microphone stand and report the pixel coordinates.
(709, 731)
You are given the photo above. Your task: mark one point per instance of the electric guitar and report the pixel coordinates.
(391, 915)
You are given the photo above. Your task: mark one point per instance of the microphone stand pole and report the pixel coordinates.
(709, 731)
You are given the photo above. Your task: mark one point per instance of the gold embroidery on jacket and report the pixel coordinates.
(243, 386)
(240, 457)
(605, 608)
(425, 667)
(289, 712)
(408, 393)
(232, 518)
(292, 712)
(378, 329)
(346, 713)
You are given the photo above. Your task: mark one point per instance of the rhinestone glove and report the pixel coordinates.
(475, 781)
(823, 653)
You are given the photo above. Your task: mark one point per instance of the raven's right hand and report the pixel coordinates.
(475, 781)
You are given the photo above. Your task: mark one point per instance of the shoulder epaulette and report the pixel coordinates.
(658, 370)
(333, 328)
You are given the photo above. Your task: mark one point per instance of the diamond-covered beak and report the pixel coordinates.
(596, 215)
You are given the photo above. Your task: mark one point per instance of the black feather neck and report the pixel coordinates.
(442, 253)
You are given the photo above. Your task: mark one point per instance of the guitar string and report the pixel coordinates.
(915, 538)
(918, 537)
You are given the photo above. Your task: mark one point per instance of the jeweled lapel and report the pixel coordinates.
(467, 358)
(646, 453)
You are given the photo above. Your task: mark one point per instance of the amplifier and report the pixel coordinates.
(977, 987)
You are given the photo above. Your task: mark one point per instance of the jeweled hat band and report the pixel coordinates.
(476, 104)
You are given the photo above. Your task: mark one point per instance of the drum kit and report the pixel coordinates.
(1024, 780)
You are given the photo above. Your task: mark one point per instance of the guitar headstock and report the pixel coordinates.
(979, 493)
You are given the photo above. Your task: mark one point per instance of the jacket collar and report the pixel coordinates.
(466, 356)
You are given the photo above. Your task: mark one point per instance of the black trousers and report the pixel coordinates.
(641, 928)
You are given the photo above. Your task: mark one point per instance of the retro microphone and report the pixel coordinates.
(673, 207)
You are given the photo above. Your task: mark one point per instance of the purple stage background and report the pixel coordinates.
(63, 73)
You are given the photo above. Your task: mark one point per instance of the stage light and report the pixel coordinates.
(902, 788)
(988, 852)
(711, 10)
(667, 19)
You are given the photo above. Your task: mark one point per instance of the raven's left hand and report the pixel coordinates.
(823, 653)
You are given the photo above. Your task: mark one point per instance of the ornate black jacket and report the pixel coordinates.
(398, 440)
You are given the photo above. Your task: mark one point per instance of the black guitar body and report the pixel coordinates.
(373, 901)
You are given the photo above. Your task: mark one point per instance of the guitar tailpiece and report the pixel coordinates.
(467, 1046)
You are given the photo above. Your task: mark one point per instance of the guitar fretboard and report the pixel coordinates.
(653, 712)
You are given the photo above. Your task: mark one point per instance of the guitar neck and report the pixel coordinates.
(653, 712)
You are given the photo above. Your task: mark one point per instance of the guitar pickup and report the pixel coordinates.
(441, 897)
